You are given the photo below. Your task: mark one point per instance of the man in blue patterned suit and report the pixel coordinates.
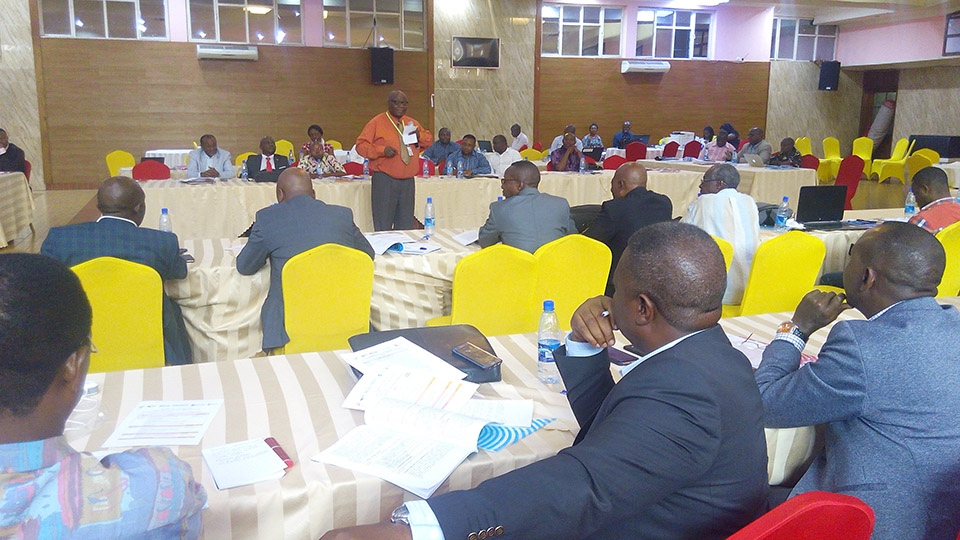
(118, 234)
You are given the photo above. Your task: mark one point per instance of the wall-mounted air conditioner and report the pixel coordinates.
(644, 66)
(226, 52)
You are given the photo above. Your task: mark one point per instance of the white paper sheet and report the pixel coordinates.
(165, 423)
(410, 133)
(411, 386)
(467, 237)
(243, 463)
(400, 352)
(381, 242)
(509, 412)
(418, 248)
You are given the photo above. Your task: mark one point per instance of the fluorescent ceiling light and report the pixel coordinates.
(259, 10)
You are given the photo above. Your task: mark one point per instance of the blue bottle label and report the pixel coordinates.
(545, 349)
(429, 222)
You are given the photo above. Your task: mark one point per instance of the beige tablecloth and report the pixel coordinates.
(16, 206)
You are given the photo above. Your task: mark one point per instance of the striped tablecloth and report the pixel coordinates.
(16, 206)
(171, 158)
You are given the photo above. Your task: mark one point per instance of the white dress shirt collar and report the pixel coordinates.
(117, 218)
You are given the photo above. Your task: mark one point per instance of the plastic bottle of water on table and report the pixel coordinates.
(366, 167)
(429, 220)
(460, 169)
(583, 165)
(426, 169)
(782, 212)
(548, 340)
(910, 204)
(244, 174)
(449, 167)
(290, 158)
(166, 225)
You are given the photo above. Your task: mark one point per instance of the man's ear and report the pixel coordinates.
(868, 278)
(645, 310)
(73, 371)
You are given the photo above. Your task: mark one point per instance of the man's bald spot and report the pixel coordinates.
(119, 195)
(906, 255)
(396, 94)
(570, 128)
(294, 181)
(526, 172)
(632, 175)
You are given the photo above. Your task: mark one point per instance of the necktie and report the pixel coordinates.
(269, 164)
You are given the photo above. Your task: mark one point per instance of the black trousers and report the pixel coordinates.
(392, 200)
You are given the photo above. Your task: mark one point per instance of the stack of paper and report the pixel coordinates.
(243, 463)
(165, 423)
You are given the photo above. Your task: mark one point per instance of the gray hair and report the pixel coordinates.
(726, 173)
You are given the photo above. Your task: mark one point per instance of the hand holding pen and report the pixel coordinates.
(593, 322)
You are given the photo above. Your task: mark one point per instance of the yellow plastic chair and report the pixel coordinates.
(727, 249)
(829, 288)
(830, 164)
(326, 298)
(285, 147)
(803, 145)
(950, 238)
(337, 145)
(863, 148)
(570, 285)
(892, 170)
(932, 155)
(898, 156)
(772, 289)
(127, 302)
(494, 289)
(531, 155)
(239, 161)
(118, 159)
(915, 163)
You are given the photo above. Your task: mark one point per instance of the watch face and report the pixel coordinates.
(785, 327)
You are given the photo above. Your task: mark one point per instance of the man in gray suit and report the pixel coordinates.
(297, 224)
(756, 144)
(526, 218)
(885, 388)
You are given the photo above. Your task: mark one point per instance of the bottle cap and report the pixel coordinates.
(785, 198)
(429, 199)
(548, 305)
(164, 211)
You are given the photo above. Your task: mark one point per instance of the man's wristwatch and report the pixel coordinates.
(789, 327)
(400, 515)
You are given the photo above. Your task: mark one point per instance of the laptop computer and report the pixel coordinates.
(485, 146)
(157, 159)
(755, 161)
(821, 208)
(594, 153)
(645, 139)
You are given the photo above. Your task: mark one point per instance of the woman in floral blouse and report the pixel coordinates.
(593, 140)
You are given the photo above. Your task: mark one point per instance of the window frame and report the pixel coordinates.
(347, 11)
(673, 33)
(246, 23)
(580, 24)
(775, 39)
(947, 36)
(106, 24)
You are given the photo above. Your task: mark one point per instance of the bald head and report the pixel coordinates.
(628, 177)
(121, 196)
(930, 184)
(526, 172)
(570, 129)
(908, 260)
(397, 103)
(293, 182)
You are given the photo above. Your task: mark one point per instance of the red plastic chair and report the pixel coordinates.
(809, 161)
(613, 163)
(670, 149)
(636, 150)
(692, 149)
(589, 160)
(150, 170)
(27, 167)
(353, 168)
(522, 148)
(851, 168)
(537, 146)
(816, 515)
(430, 167)
(550, 166)
(742, 144)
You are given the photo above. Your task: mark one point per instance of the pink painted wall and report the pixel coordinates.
(921, 39)
(742, 32)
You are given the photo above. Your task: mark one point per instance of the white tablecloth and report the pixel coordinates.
(16, 206)
(171, 157)
(653, 152)
(953, 173)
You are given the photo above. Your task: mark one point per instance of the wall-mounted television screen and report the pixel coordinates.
(469, 52)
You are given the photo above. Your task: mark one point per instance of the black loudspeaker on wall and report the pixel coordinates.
(829, 75)
(381, 65)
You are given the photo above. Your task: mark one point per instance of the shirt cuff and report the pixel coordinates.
(579, 349)
(792, 339)
(423, 522)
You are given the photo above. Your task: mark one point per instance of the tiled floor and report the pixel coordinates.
(54, 208)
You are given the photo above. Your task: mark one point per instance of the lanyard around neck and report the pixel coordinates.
(395, 125)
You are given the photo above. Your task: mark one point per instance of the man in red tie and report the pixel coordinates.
(266, 161)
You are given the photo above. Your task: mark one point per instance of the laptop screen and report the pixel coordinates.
(821, 203)
(486, 146)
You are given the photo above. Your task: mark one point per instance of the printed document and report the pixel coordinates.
(165, 423)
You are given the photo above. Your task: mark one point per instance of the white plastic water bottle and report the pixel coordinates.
(429, 220)
(460, 168)
(548, 340)
(449, 167)
(910, 204)
(583, 165)
(244, 174)
(165, 224)
(366, 167)
(426, 169)
(290, 158)
(782, 212)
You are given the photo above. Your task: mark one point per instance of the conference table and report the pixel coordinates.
(297, 400)
(16, 206)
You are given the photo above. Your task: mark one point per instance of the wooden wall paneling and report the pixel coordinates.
(693, 94)
(103, 95)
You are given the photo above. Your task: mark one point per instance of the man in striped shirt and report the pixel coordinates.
(938, 208)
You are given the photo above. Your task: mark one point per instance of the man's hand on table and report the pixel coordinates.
(210, 173)
(589, 324)
(380, 531)
(389, 151)
(818, 309)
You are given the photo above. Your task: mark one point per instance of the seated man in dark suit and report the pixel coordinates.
(632, 207)
(266, 161)
(885, 388)
(674, 450)
(526, 218)
(118, 234)
(298, 223)
(11, 156)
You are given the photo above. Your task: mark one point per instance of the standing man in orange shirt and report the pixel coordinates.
(393, 164)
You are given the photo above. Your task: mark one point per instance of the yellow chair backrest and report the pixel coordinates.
(239, 161)
(863, 148)
(769, 289)
(917, 162)
(494, 289)
(831, 148)
(127, 302)
(118, 159)
(326, 298)
(892, 169)
(899, 150)
(337, 145)
(568, 285)
(726, 248)
(531, 155)
(285, 147)
(950, 238)
(803, 145)
(932, 155)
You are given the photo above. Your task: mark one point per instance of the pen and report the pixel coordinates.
(275, 446)
(425, 237)
(604, 313)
